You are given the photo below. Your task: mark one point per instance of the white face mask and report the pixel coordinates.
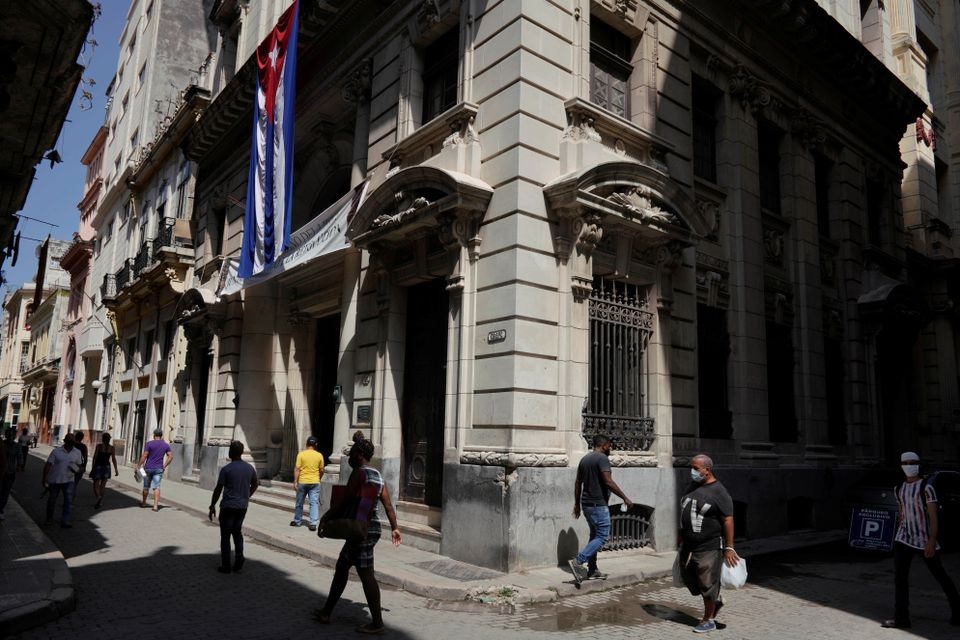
(696, 476)
(910, 470)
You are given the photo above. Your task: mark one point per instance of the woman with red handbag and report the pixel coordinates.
(366, 488)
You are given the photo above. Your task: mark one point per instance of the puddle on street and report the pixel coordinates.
(470, 606)
(566, 618)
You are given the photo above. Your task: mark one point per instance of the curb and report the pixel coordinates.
(59, 601)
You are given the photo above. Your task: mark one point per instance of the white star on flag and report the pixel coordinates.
(274, 54)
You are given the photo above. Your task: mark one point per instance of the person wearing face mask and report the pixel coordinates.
(917, 533)
(591, 492)
(706, 538)
(59, 474)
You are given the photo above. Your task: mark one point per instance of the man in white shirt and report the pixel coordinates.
(58, 476)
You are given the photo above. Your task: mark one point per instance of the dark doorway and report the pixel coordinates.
(424, 390)
(140, 423)
(201, 378)
(324, 403)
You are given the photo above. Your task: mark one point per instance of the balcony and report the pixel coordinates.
(161, 263)
(108, 290)
(45, 371)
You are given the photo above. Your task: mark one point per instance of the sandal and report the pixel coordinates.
(370, 630)
(321, 616)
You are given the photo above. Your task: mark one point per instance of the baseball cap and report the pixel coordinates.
(312, 441)
(909, 456)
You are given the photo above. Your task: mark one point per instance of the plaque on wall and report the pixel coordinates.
(363, 413)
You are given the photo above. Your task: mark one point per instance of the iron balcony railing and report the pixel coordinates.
(108, 290)
(164, 235)
(143, 258)
(124, 275)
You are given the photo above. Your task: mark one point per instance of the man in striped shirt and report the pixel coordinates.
(917, 532)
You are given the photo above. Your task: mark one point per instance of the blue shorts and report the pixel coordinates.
(152, 479)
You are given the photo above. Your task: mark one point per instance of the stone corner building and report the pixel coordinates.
(678, 223)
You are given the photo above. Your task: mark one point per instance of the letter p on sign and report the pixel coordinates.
(872, 529)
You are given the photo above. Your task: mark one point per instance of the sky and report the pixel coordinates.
(55, 192)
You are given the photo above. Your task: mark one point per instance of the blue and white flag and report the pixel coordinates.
(266, 224)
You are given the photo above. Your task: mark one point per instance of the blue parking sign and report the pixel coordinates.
(872, 528)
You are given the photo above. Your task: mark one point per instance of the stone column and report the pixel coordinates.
(356, 90)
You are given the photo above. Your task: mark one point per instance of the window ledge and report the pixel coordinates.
(453, 127)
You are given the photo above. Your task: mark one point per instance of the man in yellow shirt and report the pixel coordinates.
(306, 481)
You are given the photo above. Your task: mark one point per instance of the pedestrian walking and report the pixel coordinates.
(237, 481)
(917, 527)
(82, 448)
(307, 472)
(706, 538)
(9, 459)
(156, 457)
(25, 440)
(58, 478)
(366, 488)
(102, 456)
(591, 493)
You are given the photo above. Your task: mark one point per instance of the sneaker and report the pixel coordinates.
(895, 624)
(705, 626)
(294, 523)
(579, 573)
(596, 575)
(312, 527)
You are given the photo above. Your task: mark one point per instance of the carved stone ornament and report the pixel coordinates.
(754, 96)
(773, 246)
(808, 130)
(640, 201)
(667, 255)
(713, 286)
(580, 127)
(219, 442)
(589, 232)
(710, 210)
(429, 13)
(358, 84)
(501, 459)
(462, 132)
(407, 205)
(627, 460)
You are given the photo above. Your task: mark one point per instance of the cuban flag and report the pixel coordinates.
(266, 225)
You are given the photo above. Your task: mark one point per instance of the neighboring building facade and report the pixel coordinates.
(15, 357)
(142, 222)
(43, 370)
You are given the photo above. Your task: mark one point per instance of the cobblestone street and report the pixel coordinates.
(144, 575)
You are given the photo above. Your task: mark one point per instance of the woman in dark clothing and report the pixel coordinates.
(366, 486)
(102, 456)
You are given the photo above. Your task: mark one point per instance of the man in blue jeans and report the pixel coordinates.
(591, 493)
(307, 471)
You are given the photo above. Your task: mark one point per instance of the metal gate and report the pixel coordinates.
(620, 329)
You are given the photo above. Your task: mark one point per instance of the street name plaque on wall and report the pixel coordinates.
(496, 336)
(363, 413)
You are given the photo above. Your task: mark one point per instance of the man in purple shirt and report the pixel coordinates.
(156, 457)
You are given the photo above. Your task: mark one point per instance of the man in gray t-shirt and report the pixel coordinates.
(591, 492)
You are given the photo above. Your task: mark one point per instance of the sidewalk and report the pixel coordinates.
(43, 586)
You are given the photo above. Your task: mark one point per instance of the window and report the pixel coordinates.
(440, 75)
(617, 401)
(169, 333)
(768, 147)
(123, 103)
(875, 212)
(182, 179)
(780, 399)
(107, 231)
(822, 170)
(125, 213)
(24, 356)
(713, 349)
(220, 229)
(149, 12)
(834, 370)
(141, 75)
(132, 43)
(15, 414)
(131, 352)
(147, 348)
(943, 188)
(134, 141)
(610, 68)
(705, 99)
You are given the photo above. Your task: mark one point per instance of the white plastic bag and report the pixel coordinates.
(734, 577)
(139, 474)
(677, 572)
